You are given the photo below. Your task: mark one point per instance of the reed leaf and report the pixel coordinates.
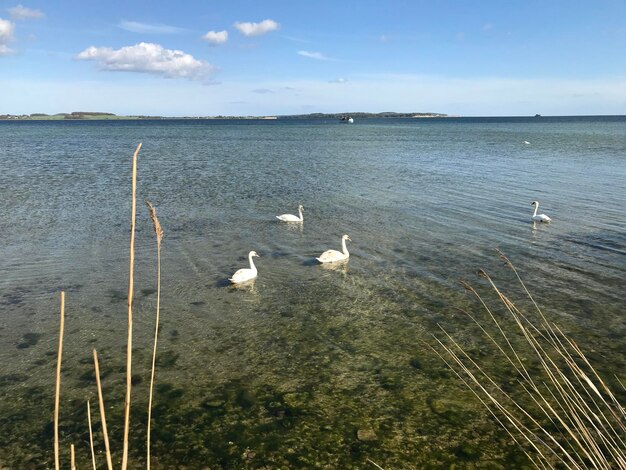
(564, 415)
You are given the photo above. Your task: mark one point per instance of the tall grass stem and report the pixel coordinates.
(159, 236)
(102, 413)
(57, 395)
(93, 454)
(129, 348)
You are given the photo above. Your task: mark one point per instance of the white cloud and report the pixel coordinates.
(6, 36)
(314, 55)
(138, 27)
(256, 29)
(339, 80)
(216, 38)
(20, 12)
(262, 91)
(6, 30)
(148, 58)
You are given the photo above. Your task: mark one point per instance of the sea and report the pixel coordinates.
(309, 366)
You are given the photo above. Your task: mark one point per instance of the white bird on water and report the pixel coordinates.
(526, 142)
(245, 274)
(539, 217)
(331, 256)
(291, 217)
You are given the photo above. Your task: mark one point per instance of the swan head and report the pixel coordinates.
(254, 253)
(301, 208)
(534, 202)
(346, 237)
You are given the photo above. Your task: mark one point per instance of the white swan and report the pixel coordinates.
(539, 217)
(331, 256)
(244, 275)
(291, 217)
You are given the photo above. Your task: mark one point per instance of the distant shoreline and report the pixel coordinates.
(96, 116)
(101, 116)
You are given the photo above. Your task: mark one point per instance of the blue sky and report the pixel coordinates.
(196, 58)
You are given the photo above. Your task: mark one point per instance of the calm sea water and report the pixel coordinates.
(309, 367)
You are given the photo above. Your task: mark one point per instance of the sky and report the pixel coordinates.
(273, 57)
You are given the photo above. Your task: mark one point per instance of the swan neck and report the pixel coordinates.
(536, 209)
(300, 212)
(252, 266)
(343, 245)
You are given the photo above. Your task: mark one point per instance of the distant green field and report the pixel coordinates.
(62, 117)
(43, 118)
(89, 117)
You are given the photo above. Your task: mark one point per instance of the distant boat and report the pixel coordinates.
(347, 119)
(350, 120)
(537, 115)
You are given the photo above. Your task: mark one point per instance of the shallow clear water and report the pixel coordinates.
(299, 369)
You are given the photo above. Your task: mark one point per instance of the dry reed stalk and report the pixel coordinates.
(93, 454)
(159, 236)
(57, 395)
(102, 413)
(375, 464)
(569, 393)
(72, 458)
(129, 348)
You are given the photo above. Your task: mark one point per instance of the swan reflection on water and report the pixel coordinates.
(296, 228)
(338, 266)
(538, 231)
(247, 286)
(538, 225)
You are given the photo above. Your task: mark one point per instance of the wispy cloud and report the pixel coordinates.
(148, 58)
(6, 36)
(339, 80)
(256, 29)
(314, 55)
(295, 39)
(215, 38)
(262, 91)
(155, 28)
(20, 12)
(487, 27)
